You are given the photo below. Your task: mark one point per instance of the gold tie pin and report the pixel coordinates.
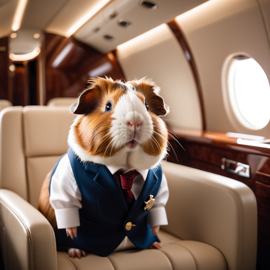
(149, 203)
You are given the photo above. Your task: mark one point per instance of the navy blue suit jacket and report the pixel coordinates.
(104, 211)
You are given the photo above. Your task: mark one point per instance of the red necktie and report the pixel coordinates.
(126, 184)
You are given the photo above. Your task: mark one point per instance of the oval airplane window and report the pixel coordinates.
(249, 92)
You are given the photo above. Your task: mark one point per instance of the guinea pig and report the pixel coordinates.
(118, 127)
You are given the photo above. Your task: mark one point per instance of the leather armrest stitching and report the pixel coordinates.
(29, 235)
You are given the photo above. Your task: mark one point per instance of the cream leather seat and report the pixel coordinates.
(212, 219)
(64, 101)
(4, 104)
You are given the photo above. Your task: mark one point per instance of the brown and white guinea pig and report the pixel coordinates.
(118, 124)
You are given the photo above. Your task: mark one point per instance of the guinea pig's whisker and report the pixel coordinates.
(171, 147)
(151, 144)
(113, 140)
(107, 149)
(175, 138)
(104, 137)
(157, 143)
(160, 135)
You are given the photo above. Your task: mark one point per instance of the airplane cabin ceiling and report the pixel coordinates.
(39, 13)
(58, 16)
(7, 10)
(142, 19)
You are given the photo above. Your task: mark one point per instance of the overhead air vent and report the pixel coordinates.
(149, 5)
(108, 37)
(124, 23)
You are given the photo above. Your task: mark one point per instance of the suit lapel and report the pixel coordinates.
(148, 186)
(106, 181)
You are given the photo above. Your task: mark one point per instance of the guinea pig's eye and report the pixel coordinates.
(146, 106)
(108, 106)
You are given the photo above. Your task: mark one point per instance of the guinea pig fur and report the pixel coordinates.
(119, 124)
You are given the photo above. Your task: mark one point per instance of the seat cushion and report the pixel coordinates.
(175, 254)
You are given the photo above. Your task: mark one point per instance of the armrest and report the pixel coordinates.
(27, 238)
(215, 210)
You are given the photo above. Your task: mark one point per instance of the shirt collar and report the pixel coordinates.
(143, 173)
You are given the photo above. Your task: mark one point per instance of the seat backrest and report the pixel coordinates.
(4, 104)
(64, 101)
(31, 140)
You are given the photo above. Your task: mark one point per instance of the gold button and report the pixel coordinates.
(129, 226)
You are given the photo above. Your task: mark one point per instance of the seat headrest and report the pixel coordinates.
(46, 130)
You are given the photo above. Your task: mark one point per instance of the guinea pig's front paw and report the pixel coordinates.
(155, 245)
(72, 232)
(76, 253)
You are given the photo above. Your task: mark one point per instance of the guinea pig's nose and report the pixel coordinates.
(134, 124)
(134, 120)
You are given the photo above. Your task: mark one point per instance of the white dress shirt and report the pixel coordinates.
(65, 196)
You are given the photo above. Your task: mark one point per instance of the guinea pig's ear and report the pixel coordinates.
(86, 103)
(154, 101)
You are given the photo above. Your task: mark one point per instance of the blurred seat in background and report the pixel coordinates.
(4, 104)
(63, 101)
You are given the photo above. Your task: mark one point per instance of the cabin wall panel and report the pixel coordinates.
(265, 8)
(158, 55)
(215, 31)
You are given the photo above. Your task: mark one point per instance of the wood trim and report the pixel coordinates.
(117, 65)
(217, 139)
(175, 28)
(4, 67)
(263, 177)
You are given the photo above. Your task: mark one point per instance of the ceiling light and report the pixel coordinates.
(13, 35)
(137, 41)
(18, 15)
(24, 57)
(86, 17)
(36, 35)
(12, 68)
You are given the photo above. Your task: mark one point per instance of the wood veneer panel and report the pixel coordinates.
(4, 64)
(70, 63)
(190, 58)
(263, 201)
(20, 85)
(263, 178)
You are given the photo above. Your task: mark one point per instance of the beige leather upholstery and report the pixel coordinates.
(63, 101)
(212, 219)
(27, 239)
(4, 104)
(11, 146)
(175, 254)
